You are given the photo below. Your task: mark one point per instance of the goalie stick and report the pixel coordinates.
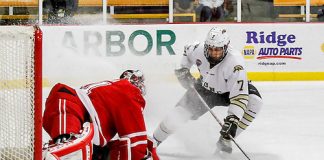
(219, 122)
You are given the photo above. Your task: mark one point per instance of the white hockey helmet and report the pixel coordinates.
(135, 77)
(216, 38)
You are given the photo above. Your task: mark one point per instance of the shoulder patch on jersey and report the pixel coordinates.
(198, 62)
(238, 68)
(196, 46)
(186, 48)
(190, 48)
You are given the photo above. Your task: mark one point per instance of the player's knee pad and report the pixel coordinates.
(255, 104)
(79, 146)
(253, 108)
(176, 118)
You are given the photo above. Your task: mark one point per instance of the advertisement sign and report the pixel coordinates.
(271, 52)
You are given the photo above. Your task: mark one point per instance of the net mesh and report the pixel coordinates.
(16, 93)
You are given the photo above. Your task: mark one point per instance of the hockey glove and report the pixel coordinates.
(229, 127)
(185, 78)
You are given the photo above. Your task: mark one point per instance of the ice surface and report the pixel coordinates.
(289, 127)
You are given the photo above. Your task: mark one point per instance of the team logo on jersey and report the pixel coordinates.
(190, 48)
(196, 46)
(198, 62)
(238, 68)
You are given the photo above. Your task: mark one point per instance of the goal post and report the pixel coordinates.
(20, 93)
(38, 38)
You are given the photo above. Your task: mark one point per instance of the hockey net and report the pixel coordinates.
(20, 93)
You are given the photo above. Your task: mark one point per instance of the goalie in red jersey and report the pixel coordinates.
(111, 107)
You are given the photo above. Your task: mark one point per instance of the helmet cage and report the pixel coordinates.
(135, 77)
(216, 38)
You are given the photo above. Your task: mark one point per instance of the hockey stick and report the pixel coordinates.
(219, 122)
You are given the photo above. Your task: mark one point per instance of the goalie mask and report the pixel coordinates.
(135, 77)
(216, 45)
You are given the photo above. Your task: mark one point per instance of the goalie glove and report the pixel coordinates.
(229, 127)
(185, 78)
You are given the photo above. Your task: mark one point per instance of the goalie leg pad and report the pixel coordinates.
(78, 147)
(151, 146)
(120, 149)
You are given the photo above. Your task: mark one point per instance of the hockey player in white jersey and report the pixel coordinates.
(222, 82)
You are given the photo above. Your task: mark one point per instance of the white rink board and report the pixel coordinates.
(290, 125)
(74, 48)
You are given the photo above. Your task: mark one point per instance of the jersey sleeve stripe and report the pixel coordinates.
(98, 138)
(135, 134)
(64, 118)
(138, 143)
(242, 125)
(248, 117)
(252, 111)
(241, 97)
(239, 104)
(60, 118)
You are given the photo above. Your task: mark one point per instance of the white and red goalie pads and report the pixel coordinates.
(120, 149)
(78, 147)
